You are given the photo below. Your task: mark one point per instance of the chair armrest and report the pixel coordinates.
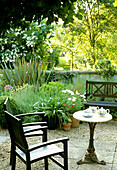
(36, 129)
(30, 114)
(63, 140)
(34, 123)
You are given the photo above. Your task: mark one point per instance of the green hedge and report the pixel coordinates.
(14, 107)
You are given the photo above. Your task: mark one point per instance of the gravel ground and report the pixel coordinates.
(103, 132)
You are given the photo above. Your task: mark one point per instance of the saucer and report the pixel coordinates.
(87, 116)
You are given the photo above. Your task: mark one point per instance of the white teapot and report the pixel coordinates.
(103, 111)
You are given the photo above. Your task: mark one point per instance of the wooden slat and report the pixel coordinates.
(101, 89)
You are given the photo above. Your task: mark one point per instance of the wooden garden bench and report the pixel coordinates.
(102, 94)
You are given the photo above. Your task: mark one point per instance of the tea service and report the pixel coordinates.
(92, 110)
(103, 111)
(87, 113)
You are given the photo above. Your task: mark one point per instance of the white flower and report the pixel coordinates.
(69, 91)
(77, 92)
(72, 93)
(74, 99)
(64, 91)
(69, 98)
(83, 96)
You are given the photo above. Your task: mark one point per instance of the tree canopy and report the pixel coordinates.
(15, 13)
(92, 34)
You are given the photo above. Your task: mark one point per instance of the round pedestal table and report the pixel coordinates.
(92, 120)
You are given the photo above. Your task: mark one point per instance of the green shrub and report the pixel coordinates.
(25, 97)
(66, 77)
(56, 101)
(14, 107)
(107, 70)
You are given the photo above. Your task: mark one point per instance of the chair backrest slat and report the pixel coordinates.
(7, 106)
(16, 131)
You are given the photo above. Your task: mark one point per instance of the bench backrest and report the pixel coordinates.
(101, 89)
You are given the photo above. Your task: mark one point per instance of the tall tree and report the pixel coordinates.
(66, 38)
(16, 12)
(91, 35)
(98, 17)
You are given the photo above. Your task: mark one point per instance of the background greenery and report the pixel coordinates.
(82, 38)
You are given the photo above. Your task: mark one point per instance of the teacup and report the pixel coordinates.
(87, 112)
(103, 111)
(93, 108)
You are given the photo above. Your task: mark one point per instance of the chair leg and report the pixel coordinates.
(11, 153)
(65, 163)
(28, 166)
(13, 161)
(65, 156)
(46, 163)
(45, 135)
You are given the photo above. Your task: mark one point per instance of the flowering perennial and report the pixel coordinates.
(8, 87)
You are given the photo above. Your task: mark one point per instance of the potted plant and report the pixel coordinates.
(52, 107)
(73, 104)
(66, 122)
(56, 100)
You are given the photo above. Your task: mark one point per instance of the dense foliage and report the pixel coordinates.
(33, 42)
(14, 107)
(54, 98)
(90, 37)
(107, 70)
(58, 101)
(15, 13)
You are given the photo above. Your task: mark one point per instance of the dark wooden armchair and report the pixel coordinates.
(30, 129)
(30, 154)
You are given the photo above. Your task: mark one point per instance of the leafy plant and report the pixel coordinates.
(54, 98)
(73, 103)
(25, 96)
(14, 107)
(106, 69)
(51, 100)
(66, 118)
(23, 72)
(29, 43)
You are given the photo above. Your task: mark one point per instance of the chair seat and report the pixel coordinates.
(40, 153)
(34, 133)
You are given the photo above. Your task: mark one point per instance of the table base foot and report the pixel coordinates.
(91, 157)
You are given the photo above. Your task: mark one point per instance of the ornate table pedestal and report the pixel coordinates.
(90, 155)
